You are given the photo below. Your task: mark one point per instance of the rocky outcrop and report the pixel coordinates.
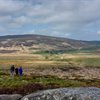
(90, 93)
(66, 94)
(10, 97)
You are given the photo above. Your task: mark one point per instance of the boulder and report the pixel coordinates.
(10, 97)
(90, 93)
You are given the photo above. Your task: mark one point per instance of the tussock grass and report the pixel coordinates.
(28, 84)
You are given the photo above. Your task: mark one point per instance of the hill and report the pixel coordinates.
(40, 44)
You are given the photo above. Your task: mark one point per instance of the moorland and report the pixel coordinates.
(48, 62)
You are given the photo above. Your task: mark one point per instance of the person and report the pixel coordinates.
(12, 69)
(20, 71)
(16, 71)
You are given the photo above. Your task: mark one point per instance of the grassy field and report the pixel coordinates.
(28, 84)
(26, 60)
(44, 61)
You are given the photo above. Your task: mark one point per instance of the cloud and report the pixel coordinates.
(98, 32)
(10, 6)
(50, 17)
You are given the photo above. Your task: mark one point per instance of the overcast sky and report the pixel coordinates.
(77, 19)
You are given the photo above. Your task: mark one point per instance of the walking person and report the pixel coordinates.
(20, 71)
(16, 71)
(12, 69)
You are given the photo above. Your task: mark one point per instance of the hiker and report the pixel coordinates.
(16, 71)
(20, 71)
(12, 69)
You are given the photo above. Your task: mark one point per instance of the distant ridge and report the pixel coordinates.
(36, 43)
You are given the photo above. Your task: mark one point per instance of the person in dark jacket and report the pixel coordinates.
(20, 71)
(12, 69)
(16, 71)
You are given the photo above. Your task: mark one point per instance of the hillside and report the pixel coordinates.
(40, 43)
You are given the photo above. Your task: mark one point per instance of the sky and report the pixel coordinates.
(76, 19)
